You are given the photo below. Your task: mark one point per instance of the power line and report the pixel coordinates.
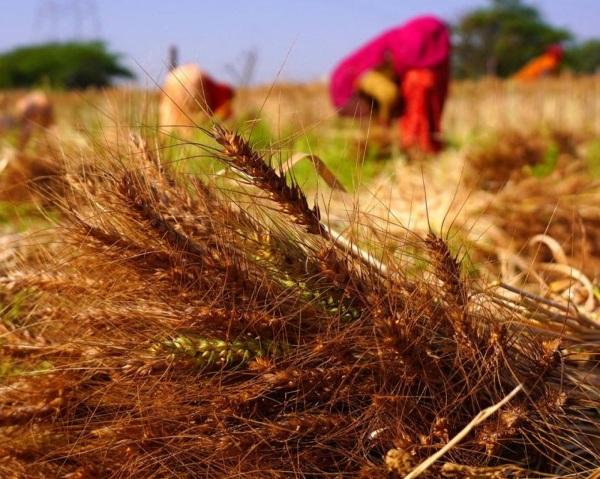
(66, 19)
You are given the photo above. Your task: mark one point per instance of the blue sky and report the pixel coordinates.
(295, 39)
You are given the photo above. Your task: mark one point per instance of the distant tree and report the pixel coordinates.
(584, 57)
(70, 65)
(500, 38)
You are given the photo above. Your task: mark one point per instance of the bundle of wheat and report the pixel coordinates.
(563, 206)
(498, 226)
(178, 328)
(513, 155)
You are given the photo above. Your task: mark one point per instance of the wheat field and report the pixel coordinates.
(198, 305)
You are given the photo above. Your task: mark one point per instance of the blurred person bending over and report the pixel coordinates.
(32, 111)
(191, 96)
(544, 65)
(404, 74)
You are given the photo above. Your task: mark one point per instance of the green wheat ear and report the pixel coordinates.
(327, 302)
(209, 352)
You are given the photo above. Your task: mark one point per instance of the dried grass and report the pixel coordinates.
(187, 328)
(513, 155)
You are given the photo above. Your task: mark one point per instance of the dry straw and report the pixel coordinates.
(185, 327)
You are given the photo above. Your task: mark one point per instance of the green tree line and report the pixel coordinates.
(502, 36)
(68, 65)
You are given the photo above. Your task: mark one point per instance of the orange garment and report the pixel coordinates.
(538, 67)
(424, 92)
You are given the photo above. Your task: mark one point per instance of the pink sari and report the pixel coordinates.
(423, 42)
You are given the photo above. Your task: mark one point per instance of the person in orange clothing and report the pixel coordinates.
(544, 65)
(424, 91)
(189, 96)
(403, 74)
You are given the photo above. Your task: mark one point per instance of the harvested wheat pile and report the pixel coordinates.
(565, 207)
(171, 332)
(540, 232)
(513, 155)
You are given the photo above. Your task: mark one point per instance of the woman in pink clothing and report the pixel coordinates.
(402, 73)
